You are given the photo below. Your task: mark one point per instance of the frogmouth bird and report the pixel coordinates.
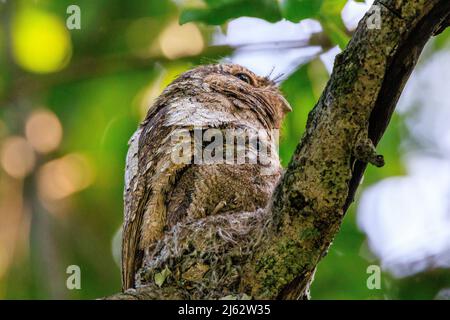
(173, 175)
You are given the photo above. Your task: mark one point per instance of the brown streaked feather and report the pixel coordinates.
(138, 191)
(160, 193)
(146, 191)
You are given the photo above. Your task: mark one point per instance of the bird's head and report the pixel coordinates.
(242, 88)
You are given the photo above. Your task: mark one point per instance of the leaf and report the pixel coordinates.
(219, 11)
(331, 21)
(296, 10)
(333, 7)
(160, 278)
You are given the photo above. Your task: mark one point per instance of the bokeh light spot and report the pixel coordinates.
(43, 131)
(17, 157)
(180, 41)
(41, 42)
(62, 177)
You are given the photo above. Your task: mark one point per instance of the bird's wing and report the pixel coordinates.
(133, 203)
(150, 174)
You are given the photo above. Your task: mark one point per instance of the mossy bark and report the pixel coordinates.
(274, 254)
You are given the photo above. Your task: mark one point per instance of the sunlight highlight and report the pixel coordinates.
(17, 157)
(41, 43)
(65, 176)
(43, 131)
(180, 41)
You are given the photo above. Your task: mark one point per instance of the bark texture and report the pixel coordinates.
(274, 253)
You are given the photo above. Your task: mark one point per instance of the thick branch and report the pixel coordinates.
(361, 95)
(273, 254)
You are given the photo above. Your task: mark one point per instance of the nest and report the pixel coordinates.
(206, 257)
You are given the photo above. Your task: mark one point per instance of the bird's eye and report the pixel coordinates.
(244, 77)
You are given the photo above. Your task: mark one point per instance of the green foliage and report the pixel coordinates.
(115, 70)
(327, 12)
(443, 41)
(161, 277)
(296, 10)
(331, 21)
(220, 11)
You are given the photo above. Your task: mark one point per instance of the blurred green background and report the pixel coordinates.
(70, 100)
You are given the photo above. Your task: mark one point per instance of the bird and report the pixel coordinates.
(167, 183)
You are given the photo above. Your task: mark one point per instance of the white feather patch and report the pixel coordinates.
(132, 161)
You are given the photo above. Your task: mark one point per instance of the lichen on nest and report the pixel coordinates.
(206, 255)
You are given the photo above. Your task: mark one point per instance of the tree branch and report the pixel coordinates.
(274, 253)
(361, 95)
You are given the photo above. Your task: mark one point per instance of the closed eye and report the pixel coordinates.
(244, 77)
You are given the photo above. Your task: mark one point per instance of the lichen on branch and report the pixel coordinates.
(274, 253)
